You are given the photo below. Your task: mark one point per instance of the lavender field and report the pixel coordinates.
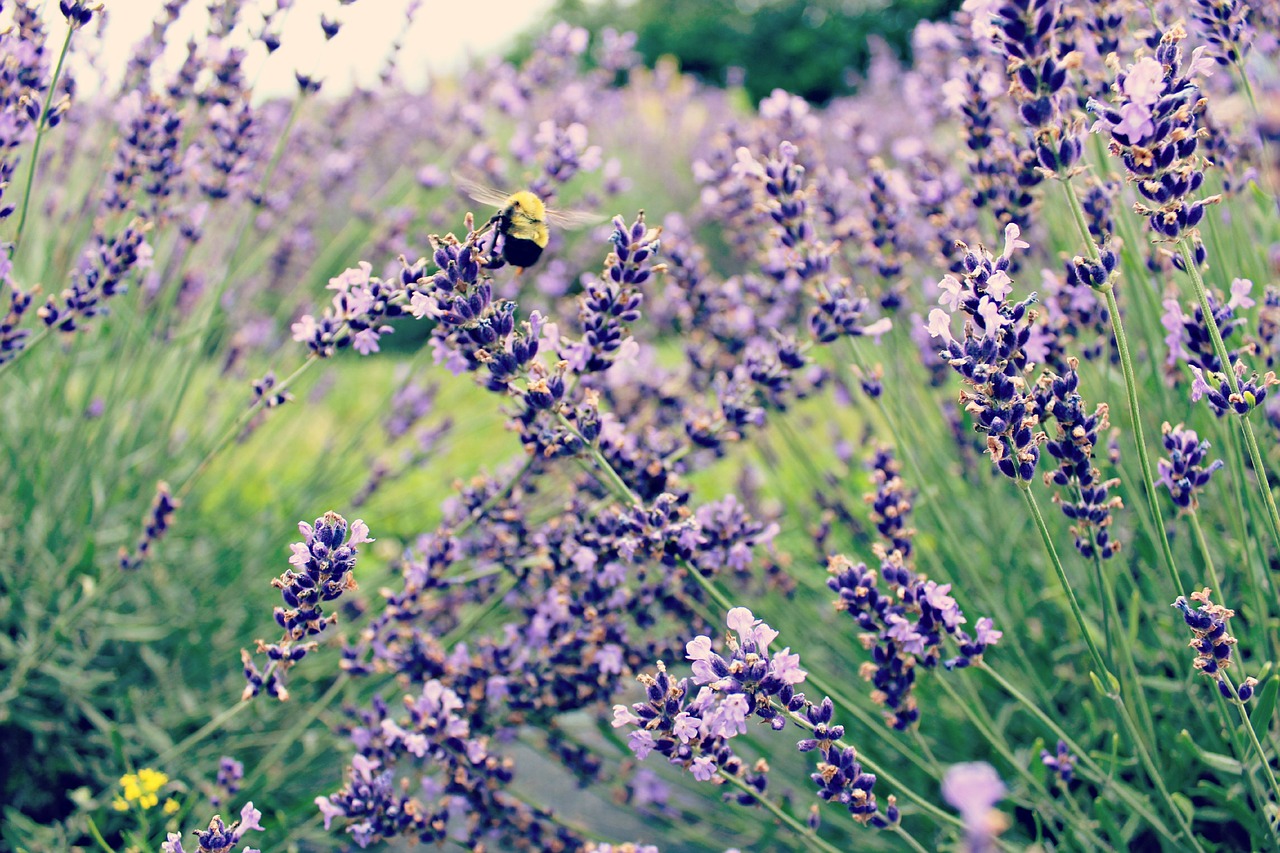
(887, 472)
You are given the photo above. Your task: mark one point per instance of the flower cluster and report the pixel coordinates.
(142, 788)
(1184, 472)
(991, 357)
(891, 503)
(1087, 501)
(1028, 33)
(1153, 124)
(906, 622)
(227, 783)
(154, 527)
(1189, 339)
(1061, 763)
(218, 838)
(361, 304)
(323, 563)
(695, 732)
(1212, 641)
(1215, 388)
(102, 273)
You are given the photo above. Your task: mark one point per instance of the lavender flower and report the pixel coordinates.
(103, 273)
(1189, 338)
(1028, 31)
(891, 503)
(227, 783)
(1088, 502)
(1212, 641)
(1225, 25)
(324, 563)
(360, 303)
(907, 621)
(218, 837)
(1154, 130)
(156, 524)
(1184, 472)
(1062, 763)
(1215, 388)
(992, 356)
(696, 733)
(973, 789)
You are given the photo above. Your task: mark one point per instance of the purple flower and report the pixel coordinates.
(973, 789)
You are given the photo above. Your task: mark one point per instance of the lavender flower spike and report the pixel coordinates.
(324, 563)
(218, 837)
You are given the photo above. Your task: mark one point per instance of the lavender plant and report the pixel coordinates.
(582, 474)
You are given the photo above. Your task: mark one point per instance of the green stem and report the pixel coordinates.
(41, 124)
(1140, 439)
(1205, 554)
(612, 479)
(925, 805)
(1257, 748)
(239, 424)
(272, 758)
(1220, 350)
(778, 812)
(201, 733)
(1101, 777)
(907, 837)
(97, 837)
(1038, 518)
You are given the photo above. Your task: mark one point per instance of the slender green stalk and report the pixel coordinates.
(1205, 553)
(1220, 350)
(777, 811)
(234, 430)
(295, 731)
(1063, 580)
(982, 723)
(219, 720)
(612, 479)
(1102, 777)
(1131, 388)
(41, 125)
(1257, 748)
(907, 837)
(97, 837)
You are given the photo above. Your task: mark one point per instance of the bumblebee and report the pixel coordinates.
(522, 220)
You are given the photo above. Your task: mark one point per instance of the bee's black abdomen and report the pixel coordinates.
(520, 253)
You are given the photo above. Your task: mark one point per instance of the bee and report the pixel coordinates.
(522, 220)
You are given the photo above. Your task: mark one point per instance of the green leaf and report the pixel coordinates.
(1184, 805)
(1216, 760)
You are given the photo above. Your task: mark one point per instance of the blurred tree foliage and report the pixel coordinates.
(815, 49)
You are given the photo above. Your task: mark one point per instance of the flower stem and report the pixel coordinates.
(778, 812)
(1220, 350)
(1257, 748)
(1038, 518)
(41, 125)
(239, 424)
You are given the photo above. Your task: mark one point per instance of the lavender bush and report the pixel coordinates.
(896, 374)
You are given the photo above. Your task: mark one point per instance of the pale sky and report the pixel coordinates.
(444, 34)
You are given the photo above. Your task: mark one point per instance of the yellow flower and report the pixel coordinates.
(119, 804)
(140, 787)
(170, 806)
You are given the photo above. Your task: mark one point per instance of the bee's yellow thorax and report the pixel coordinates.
(526, 218)
(528, 204)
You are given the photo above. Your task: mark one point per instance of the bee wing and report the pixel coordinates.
(479, 192)
(573, 218)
